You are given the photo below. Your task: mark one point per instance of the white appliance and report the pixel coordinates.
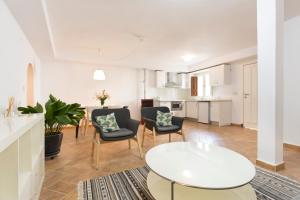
(204, 112)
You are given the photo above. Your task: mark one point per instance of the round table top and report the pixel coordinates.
(200, 165)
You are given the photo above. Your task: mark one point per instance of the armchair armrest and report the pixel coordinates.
(149, 123)
(177, 121)
(133, 125)
(97, 127)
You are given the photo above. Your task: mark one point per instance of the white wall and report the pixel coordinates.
(292, 81)
(73, 82)
(15, 55)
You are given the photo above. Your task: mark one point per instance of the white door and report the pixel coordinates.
(250, 96)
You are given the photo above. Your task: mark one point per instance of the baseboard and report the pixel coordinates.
(214, 123)
(239, 125)
(269, 166)
(192, 119)
(291, 146)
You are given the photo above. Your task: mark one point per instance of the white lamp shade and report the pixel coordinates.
(99, 75)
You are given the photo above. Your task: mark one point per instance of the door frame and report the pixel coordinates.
(244, 65)
(30, 84)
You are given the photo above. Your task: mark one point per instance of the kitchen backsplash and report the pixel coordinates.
(167, 93)
(224, 92)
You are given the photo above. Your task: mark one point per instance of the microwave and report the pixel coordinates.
(176, 105)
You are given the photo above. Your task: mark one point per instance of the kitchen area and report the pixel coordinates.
(191, 95)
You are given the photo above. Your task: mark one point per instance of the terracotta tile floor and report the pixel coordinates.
(74, 162)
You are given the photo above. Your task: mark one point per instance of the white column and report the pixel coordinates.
(270, 21)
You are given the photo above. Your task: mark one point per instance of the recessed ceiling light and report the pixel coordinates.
(188, 57)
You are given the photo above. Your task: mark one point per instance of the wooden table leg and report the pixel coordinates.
(77, 130)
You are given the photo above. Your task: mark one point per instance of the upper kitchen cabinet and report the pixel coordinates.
(161, 79)
(184, 80)
(219, 75)
(188, 81)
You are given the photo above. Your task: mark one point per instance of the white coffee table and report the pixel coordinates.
(187, 170)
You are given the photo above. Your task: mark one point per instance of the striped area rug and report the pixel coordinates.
(131, 185)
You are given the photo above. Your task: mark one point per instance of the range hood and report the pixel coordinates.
(172, 80)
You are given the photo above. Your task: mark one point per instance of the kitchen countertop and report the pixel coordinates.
(211, 100)
(167, 100)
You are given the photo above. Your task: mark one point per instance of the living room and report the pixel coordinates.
(203, 97)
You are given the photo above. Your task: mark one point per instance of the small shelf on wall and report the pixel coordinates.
(9, 172)
(25, 163)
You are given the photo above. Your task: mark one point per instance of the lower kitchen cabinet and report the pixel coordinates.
(220, 111)
(203, 112)
(192, 109)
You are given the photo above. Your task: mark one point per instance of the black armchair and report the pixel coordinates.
(149, 116)
(128, 129)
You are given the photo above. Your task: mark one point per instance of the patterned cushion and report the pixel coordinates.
(163, 119)
(108, 122)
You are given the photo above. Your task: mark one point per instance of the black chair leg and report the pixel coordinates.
(77, 130)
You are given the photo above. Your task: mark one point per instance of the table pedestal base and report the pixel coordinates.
(160, 189)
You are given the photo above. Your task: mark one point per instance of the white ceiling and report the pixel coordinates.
(140, 33)
(153, 34)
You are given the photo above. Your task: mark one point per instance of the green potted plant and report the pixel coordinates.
(58, 114)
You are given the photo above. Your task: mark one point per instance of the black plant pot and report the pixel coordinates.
(52, 145)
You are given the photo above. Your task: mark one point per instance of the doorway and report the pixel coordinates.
(250, 96)
(30, 85)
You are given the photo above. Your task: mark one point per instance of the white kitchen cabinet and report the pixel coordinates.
(192, 109)
(219, 75)
(161, 79)
(203, 112)
(220, 111)
(188, 81)
(214, 111)
(184, 80)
